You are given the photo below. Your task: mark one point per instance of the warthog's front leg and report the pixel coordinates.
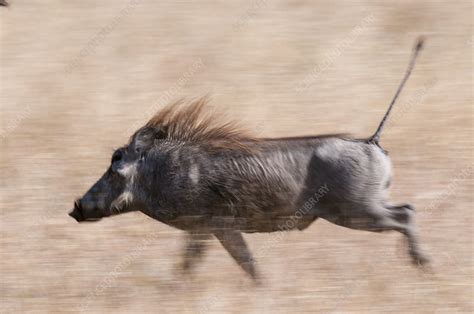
(234, 243)
(194, 249)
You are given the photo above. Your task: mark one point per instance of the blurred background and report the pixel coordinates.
(78, 77)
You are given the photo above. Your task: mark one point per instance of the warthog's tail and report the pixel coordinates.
(419, 45)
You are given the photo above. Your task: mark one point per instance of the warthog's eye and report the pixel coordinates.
(117, 156)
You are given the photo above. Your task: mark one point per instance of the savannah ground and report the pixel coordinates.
(77, 77)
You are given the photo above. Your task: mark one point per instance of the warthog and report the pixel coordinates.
(189, 171)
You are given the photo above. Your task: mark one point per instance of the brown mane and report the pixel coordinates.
(192, 122)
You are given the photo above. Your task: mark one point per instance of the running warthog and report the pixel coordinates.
(186, 170)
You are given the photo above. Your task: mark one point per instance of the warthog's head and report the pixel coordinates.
(114, 192)
(143, 174)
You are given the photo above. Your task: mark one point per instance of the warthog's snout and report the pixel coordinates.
(78, 213)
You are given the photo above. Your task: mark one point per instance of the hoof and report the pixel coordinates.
(420, 260)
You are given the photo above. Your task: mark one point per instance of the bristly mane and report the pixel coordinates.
(192, 122)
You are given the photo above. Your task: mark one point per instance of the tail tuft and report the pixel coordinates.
(420, 43)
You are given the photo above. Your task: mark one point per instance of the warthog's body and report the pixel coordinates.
(185, 170)
(261, 189)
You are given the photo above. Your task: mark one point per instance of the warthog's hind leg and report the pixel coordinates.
(382, 218)
(234, 243)
(404, 223)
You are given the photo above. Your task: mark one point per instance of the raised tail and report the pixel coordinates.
(374, 139)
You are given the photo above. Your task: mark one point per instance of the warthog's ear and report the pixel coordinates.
(145, 138)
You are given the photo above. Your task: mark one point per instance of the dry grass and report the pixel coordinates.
(77, 76)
